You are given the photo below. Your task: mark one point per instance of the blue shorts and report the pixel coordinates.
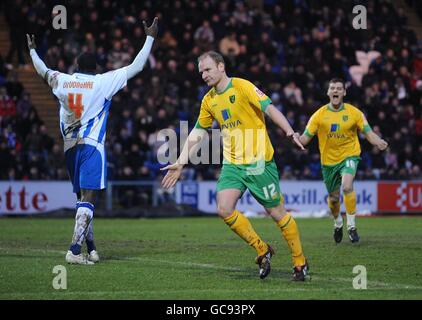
(87, 168)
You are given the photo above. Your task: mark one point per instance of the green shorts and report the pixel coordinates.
(332, 174)
(261, 180)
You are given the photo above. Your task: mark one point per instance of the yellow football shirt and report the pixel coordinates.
(239, 111)
(337, 132)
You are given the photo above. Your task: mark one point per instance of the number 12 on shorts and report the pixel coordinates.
(269, 191)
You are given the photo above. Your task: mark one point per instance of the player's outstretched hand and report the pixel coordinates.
(31, 41)
(295, 138)
(173, 174)
(152, 30)
(382, 144)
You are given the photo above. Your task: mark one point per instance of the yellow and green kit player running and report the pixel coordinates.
(336, 125)
(239, 108)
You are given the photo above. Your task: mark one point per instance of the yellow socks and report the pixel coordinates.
(334, 207)
(335, 211)
(243, 228)
(350, 204)
(291, 234)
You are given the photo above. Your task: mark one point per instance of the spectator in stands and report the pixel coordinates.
(16, 12)
(13, 86)
(55, 160)
(3, 71)
(229, 45)
(204, 36)
(7, 104)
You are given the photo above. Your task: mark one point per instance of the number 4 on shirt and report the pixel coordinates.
(75, 104)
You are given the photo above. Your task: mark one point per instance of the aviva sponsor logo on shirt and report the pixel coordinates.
(334, 132)
(335, 127)
(226, 116)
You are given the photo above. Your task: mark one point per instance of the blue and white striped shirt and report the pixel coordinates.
(85, 102)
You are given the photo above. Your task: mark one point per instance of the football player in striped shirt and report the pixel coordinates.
(85, 100)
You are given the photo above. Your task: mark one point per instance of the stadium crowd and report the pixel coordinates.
(290, 49)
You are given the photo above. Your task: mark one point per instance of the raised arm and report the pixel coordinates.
(138, 64)
(279, 119)
(175, 170)
(39, 65)
(44, 72)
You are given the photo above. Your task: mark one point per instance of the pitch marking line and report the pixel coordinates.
(380, 285)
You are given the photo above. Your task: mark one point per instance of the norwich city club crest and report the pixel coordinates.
(232, 98)
(345, 118)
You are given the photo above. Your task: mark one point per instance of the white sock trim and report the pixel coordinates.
(351, 223)
(338, 222)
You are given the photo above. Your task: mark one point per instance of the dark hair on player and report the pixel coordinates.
(337, 80)
(218, 58)
(87, 62)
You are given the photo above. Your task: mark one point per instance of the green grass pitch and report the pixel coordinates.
(200, 258)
